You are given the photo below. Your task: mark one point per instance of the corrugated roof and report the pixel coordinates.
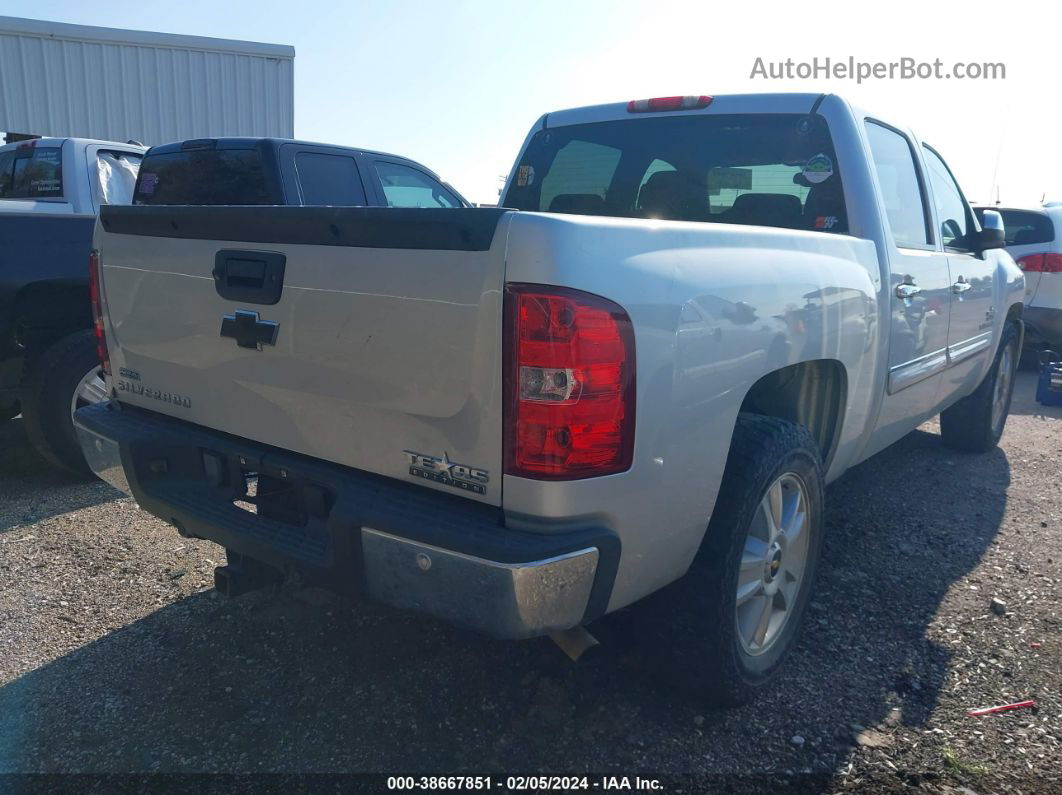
(73, 80)
(62, 30)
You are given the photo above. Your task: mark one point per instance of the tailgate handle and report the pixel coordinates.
(250, 277)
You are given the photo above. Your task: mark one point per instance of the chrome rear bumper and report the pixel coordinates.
(398, 543)
(510, 600)
(104, 457)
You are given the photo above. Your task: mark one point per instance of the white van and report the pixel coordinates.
(1034, 240)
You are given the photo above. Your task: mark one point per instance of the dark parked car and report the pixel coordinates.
(49, 363)
(279, 171)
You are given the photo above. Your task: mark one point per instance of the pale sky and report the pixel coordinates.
(456, 84)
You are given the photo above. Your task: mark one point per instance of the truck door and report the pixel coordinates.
(971, 276)
(919, 290)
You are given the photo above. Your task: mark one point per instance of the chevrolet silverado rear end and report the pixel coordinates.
(322, 390)
(699, 311)
(468, 412)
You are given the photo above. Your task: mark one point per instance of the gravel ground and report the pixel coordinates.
(117, 655)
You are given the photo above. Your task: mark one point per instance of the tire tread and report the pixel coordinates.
(759, 444)
(46, 400)
(967, 425)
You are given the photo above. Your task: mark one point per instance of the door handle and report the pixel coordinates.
(249, 277)
(961, 286)
(906, 290)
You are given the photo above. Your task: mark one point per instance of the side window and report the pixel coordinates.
(900, 186)
(329, 180)
(407, 187)
(952, 213)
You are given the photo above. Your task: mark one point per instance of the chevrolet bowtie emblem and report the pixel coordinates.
(248, 331)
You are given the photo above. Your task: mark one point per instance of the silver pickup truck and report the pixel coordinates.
(50, 192)
(698, 312)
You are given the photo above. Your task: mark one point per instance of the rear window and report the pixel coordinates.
(31, 173)
(1024, 227)
(203, 176)
(766, 169)
(116, 176)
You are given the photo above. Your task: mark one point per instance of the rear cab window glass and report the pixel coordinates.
(203, 176)
(327, 179)
(901, 188)
(580, 174)
(1024, 227)
(115, 176)
(765, 169)
(31, 173)
(408, 187)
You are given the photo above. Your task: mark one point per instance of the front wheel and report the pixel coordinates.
(754, 572)
(66, 377)
(975, 424)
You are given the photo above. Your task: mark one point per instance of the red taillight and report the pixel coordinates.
(1041, 263)
(1033, 263)
(569, 384)
(97, 311)
(660, 104)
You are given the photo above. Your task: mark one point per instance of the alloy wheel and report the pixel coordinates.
(773, 564)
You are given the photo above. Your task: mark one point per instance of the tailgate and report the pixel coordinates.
(369, 337)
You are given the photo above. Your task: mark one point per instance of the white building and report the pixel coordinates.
(87, 82)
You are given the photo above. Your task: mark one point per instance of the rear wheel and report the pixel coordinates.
(754, 573)
(976, 422)
(65, 378)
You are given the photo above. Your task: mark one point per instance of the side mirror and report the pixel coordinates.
(992, 235)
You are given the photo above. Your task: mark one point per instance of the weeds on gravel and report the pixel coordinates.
(957, 764)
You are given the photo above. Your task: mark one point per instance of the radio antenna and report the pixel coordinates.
(999, 154)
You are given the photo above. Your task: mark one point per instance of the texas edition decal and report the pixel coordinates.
(443, 470)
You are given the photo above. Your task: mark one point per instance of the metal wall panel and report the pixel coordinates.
(72, 80)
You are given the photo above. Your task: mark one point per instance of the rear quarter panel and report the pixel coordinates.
(714, 309)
